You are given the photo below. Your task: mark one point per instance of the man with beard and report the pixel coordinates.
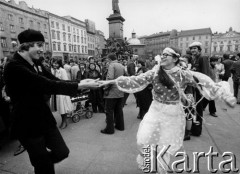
(202, 65)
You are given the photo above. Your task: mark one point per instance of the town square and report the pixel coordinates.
(119, 86)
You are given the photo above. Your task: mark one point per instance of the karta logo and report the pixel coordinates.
(155, 158)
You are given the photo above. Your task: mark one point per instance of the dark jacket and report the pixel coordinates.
(227, 66)
(93, 74)
(81, 75)
(201, 64)
(131, 68)
(235, 69)
(27, 89)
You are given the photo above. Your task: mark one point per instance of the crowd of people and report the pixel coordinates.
(169, 93)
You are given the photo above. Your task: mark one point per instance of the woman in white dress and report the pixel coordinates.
(164, 123)
(63, 102)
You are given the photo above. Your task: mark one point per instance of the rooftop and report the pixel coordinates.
(195, 32)
(159, 34)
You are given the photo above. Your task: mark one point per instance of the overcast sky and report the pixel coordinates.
(150, 16)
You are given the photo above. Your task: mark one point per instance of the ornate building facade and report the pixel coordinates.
(18, 17)
(228, 42)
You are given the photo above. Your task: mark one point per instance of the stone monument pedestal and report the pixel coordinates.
(116, 26)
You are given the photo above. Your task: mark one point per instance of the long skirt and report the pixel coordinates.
(64, 104)
(163, 125)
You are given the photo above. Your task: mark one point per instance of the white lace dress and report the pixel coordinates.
(164, 123)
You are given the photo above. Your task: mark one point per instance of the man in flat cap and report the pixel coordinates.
(27, 83)
(200, 64)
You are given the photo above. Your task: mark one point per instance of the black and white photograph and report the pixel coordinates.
(119, 86)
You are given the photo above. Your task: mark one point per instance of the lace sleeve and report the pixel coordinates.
(135, 83)
(211, 90)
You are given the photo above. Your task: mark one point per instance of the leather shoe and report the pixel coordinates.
(213, 114)
(104, 131)
(19, 150)
(119, 129)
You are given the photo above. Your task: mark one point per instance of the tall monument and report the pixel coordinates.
(116, 43)
(116, 22)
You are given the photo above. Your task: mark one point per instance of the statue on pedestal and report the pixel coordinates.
(115, 7)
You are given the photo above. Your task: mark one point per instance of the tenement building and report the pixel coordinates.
(228, 42)
(18, 17)
(156, 43)
(68, 37)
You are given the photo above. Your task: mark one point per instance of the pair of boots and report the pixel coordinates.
(64, 121)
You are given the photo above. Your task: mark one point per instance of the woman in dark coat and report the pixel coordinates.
(144, 97)
(96, 98)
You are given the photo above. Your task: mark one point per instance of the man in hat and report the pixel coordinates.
(200, 64)
(114, 97)
(235, 69)
(27, 82)
(227, 67)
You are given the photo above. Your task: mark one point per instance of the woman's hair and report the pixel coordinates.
(188, 57)
(82, 64)
(163, 77)
(58, 61)
(143, 69)
(141, 62)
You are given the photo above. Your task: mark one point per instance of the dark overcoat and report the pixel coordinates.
(27, 88)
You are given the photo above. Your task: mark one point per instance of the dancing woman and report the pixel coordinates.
(164, 123)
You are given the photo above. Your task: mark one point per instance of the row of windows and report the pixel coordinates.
(12, 29)
(75, 30)
(187, 44)
(56, 35)
(229, 48)
(91, 39)
(74, 48)
(229, 42)
(193, 38)
(91, 46)
(31, 23)
(4, 43)
(158, 39)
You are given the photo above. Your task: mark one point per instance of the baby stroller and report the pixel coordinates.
(81, 110)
